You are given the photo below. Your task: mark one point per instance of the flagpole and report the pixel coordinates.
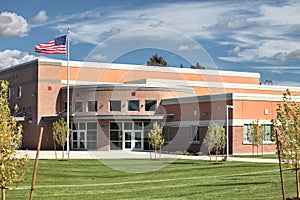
(68, 89)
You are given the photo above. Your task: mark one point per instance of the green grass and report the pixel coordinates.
(266, 156)
(182, 179)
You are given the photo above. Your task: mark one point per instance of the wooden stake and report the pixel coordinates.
(36, 163)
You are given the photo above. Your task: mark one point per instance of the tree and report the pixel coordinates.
(156, 139)
(286, 127)
(61, 132)
(156, 60)
(215, 139)
(254, 135)
(13, 167)
(198, 66)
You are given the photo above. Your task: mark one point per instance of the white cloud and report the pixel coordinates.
(13, 57)
(12, 24)
(234, 51)
(188, 47)
(41, 16)
(99, 58)
(111, 32)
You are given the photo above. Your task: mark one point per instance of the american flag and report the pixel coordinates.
(56, 46)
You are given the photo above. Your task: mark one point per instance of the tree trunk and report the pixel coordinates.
(55, 148)
(3, 193)
(280, 166)
(297, 183)
(63, 152)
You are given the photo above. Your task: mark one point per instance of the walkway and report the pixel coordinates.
(132, 155)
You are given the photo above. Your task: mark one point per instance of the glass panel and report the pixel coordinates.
(82, 136)
(92, 145)
(150, 105)
(92, 125)
(91, 135)
(75, 145)
(127, 135)
(82, 126)
(128, 126)
(138, 145)
(138, 125)
(82, 146)
(133, 105)
(116, 145)
(115, 125)
(138, 135)
(115, 105)
(115, 135)
(92, 106)
(74, 126)
(75, 135)
(78, 106)
(128, 145)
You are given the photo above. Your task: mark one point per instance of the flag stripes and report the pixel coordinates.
(56, 46)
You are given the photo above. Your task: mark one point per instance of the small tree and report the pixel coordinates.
(156, 139)
(215, 139)
(254, 135)
(287, 127)
(61, 132)
(13, 167)
(156, 60)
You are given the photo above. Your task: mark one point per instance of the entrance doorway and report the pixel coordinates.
(126, 136)
(79, 141)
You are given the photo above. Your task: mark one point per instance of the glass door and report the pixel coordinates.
(128, 140)
(79, 140)
(137, 142)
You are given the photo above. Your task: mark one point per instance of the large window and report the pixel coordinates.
(115, 105)
(167, 133)
(78, 106)
(133, 105)
(92, 106)
(150, 105)
(195, 135)
(19, 91)
(265, 131)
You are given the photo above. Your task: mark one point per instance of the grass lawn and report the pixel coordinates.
(183, 179)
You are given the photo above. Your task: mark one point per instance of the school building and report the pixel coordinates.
(113, 106)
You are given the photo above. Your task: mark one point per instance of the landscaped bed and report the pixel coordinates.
(182, 179)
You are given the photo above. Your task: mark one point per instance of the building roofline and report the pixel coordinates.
(136, 87)
(18, 66)
(227, 96)
(149, 68)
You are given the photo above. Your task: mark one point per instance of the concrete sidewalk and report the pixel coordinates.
(132, 155)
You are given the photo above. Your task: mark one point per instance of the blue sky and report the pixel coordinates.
(254, 36)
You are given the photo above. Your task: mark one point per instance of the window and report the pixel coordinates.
(195, 134)
(19, 91)
(8, 93)
(78, 106)
(167, 133)
(115, 105)
(133, 105)
(265, 131)
(150, 105)
(92, 106)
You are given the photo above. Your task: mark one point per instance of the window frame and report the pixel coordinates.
(131, 108)
(19, 91)
(267, 138)
(76, 108)
(94, 106)
(111, 106)
(195, 134)
(167, 133)
(152, 107)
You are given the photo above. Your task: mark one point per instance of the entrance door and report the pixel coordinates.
(132, 140)
(79, 140)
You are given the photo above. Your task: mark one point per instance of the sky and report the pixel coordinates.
(249, 36)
